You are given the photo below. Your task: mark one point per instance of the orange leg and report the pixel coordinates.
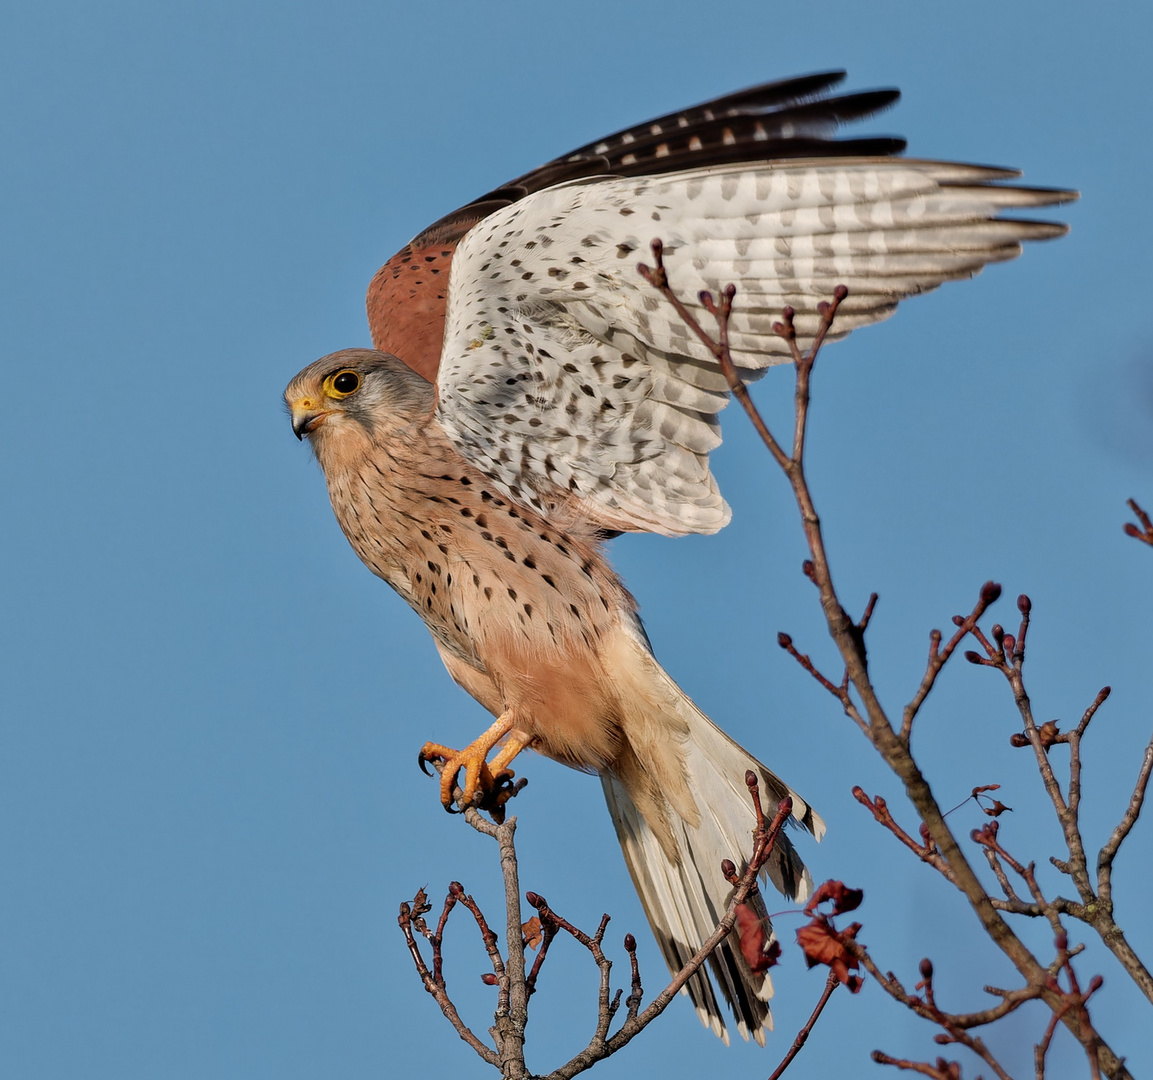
(489, 781)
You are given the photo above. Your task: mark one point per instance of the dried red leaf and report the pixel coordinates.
(843, 898)
(820, 943)
(1048, 732)
(985, 787)
(760, 951)
(823, 944)
(532, 932)
(997, 809)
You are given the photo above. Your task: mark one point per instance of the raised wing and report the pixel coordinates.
(785, 119)
(566, 377)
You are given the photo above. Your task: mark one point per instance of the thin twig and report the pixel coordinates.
(437, 990)
(1145, 532)
(943, 1070)
(926, 852)
(1073, 738)
(1132, 812)
(939, 657)
(831, 984)
(957, 1027)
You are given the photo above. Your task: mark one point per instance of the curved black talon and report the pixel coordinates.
(422, 761)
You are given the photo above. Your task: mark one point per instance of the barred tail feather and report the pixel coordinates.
(675, 863)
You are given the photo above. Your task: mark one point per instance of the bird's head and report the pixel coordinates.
(355, 391)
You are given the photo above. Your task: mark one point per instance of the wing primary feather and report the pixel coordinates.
(754, 99)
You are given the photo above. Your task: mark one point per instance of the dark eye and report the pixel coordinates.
(346, 382)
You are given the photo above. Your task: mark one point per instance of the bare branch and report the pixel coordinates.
(406, 919)
(1007, 653)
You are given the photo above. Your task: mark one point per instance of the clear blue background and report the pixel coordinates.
(209, 802)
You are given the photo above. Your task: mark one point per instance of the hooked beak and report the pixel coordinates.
(306, 417)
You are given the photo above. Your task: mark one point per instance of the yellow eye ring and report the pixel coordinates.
(341, 384)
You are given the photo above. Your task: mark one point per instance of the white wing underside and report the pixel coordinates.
(563, 374)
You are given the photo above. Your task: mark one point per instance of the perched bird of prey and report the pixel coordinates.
(529, 395)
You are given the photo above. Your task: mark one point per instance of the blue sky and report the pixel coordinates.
(209, 804)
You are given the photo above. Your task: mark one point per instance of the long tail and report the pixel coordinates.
(674, 846)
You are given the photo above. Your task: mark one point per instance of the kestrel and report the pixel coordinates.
(529, 396)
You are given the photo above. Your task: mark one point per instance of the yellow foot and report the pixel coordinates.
(487, 785)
